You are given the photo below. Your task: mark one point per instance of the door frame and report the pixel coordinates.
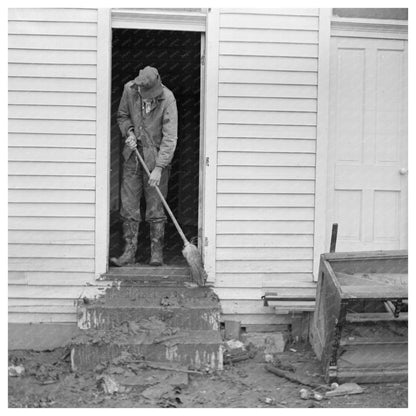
(332, 26)
(206, 22)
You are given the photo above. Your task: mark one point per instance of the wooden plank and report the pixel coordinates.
(53, 292)
(264, 172)
(51, 223)
(53, 195)
(40, 301)
(250, 266)
(258, 321)
(264, 227)
(52, 84)
(74, 43)
(267, 104)
(266, 36)
(52, 279)
(264, 240)
(51, 251)
(269, 63)
(53, 15)
(271, 118)
(267, 200)
(268, 91)
(103, 132)
(51, 309)
(266, 145)
(51, 126)
(34, 56)
(253, 21)
(51, 237)
(50, 265)
(52, 140)
(246, 76)
(255, 186)
(266, 213)
(52, 28)
(256, 309)
(51, 182)
(41, 318)
(37, 154)
(52, 71)
(79, 99)
(263, 253)
(264, 131)
(375, 317)
(273, 11)
(265, 159)
(268, 49)
(245, 307)
(276, 280)
(51, 210)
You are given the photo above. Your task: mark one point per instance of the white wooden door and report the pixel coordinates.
(367, 176)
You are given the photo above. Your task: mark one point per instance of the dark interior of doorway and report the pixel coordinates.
(176, 55)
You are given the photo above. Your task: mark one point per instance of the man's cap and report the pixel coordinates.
(149, 82)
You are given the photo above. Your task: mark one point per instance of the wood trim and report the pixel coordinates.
(322, 138)
(211, 139)
(102, 162)
(369, 28)
(193, 21)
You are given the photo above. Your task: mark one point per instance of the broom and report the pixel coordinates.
(190, 252)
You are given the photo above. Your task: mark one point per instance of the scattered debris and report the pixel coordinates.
(107, 384)
(305, 394)
(345, 389)
(16, 370)
(293, 349)
(334, 386)
(234, 344)
(318, 396)
(190, 285)
(294, 377)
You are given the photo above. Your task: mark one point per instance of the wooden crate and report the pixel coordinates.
(360, 330)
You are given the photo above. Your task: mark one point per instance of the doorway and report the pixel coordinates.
(177, 56)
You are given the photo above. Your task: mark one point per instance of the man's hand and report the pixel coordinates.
(131, 141)
(154, 179)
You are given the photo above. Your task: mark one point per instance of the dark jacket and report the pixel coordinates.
(156, 131)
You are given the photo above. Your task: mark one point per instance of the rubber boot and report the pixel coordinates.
(157, 233)
(130, 234)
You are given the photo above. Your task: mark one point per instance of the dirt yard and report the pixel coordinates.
(49, 382)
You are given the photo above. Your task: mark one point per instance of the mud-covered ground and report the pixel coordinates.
(49, 382)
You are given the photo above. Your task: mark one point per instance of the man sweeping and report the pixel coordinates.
(148, 120)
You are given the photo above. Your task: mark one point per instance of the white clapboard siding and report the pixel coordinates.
(51, 210)
(66, 57)
(78, 99)
(52, 237)
(52, 28)
(267, 108)
(52, 134)
(51, 154)
(267, 104)
(47, 71)
(265, 172)
(52, 140)
(49, 278)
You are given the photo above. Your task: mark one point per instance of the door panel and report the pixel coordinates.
(368, 143)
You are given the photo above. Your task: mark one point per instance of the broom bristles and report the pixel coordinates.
(194, 260)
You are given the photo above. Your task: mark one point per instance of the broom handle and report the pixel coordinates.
(178, 227)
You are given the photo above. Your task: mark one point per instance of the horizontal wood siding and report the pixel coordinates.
(266, 158)
(52, 135)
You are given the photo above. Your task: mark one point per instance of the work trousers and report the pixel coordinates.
(134, 184)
